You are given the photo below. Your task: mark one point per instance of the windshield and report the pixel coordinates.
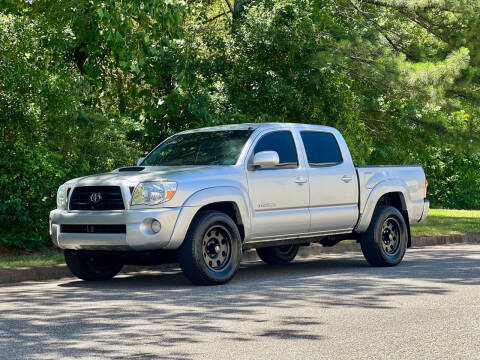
(200, 148)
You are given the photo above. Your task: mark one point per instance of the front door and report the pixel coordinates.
(280, 196)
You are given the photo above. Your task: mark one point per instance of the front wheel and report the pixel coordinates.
(90, 268)
(211, 251)
(385, 241)
(278, 255)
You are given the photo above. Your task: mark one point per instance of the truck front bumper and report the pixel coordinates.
(136, 231)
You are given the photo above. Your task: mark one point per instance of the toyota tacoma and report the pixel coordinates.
(203, 196)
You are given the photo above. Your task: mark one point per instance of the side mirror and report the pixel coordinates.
(266, 159)
(140, 160)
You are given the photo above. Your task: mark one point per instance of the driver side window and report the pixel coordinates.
(282, 142)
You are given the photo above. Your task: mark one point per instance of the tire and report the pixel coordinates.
(385, 241)
(212, 249)
(278, 255)
(90, 268)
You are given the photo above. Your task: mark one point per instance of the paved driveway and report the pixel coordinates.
(333, 306)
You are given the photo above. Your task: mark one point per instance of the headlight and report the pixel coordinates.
(62, 197)
(153, 193)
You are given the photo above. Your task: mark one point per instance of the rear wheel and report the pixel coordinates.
(211, 251)
(385, 241)
(278, 254)
(89, 268)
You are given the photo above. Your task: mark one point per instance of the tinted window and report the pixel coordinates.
(281, 142)
(322, 148)
(200, 148)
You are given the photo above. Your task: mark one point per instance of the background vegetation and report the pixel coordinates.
(87, 86)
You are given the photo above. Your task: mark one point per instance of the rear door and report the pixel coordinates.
(280, 195)
(333, 183)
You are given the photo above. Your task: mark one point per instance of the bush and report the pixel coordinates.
(454, 178)
(29, 178)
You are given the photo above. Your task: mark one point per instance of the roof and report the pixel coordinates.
(254, 126)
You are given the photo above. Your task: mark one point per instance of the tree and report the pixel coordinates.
(86, 86)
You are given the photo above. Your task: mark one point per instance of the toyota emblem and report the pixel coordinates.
(95, 197)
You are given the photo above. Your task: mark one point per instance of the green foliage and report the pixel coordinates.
(29, 178)
(454, 178)
(268, 69)
(49, 132)
(86, 86)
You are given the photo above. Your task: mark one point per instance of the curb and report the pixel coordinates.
(41, 273)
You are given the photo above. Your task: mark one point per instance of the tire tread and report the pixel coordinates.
(81, 269)
(188, 258)
(369, 246)
(269, 255)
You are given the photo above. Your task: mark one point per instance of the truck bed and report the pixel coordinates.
(409, 177)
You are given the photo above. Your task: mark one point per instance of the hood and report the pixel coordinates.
(134, 175)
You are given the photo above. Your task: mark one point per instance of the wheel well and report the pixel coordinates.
(397, 200)
(231, 209)
(394, 199)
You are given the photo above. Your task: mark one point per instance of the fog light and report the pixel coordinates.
(155, 226)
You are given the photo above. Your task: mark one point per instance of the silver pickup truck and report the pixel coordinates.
(203, 196)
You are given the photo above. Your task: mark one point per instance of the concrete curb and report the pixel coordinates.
(41, 273)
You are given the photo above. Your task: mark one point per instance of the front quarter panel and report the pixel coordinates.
(208, 196)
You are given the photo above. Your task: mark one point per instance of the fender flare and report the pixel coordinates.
(205, 197)
(380, 189)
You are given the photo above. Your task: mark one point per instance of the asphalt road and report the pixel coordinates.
(332, 307)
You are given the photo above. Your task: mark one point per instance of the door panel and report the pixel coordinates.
(280, 204)
(333, 218)
(280, 196)
(333, 184)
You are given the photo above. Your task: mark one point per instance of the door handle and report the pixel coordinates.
(346, 178)
(301, 180)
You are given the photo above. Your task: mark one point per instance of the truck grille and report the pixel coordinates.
(96, 198)
(96, 229)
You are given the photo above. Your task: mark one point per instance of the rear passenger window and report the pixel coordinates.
(281, 142)
(322, 148)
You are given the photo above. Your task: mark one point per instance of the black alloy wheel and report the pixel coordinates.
(217, 248)
(391, 236)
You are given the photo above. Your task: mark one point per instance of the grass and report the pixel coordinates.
(438, 222)
(446, 222)
(45, 257)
